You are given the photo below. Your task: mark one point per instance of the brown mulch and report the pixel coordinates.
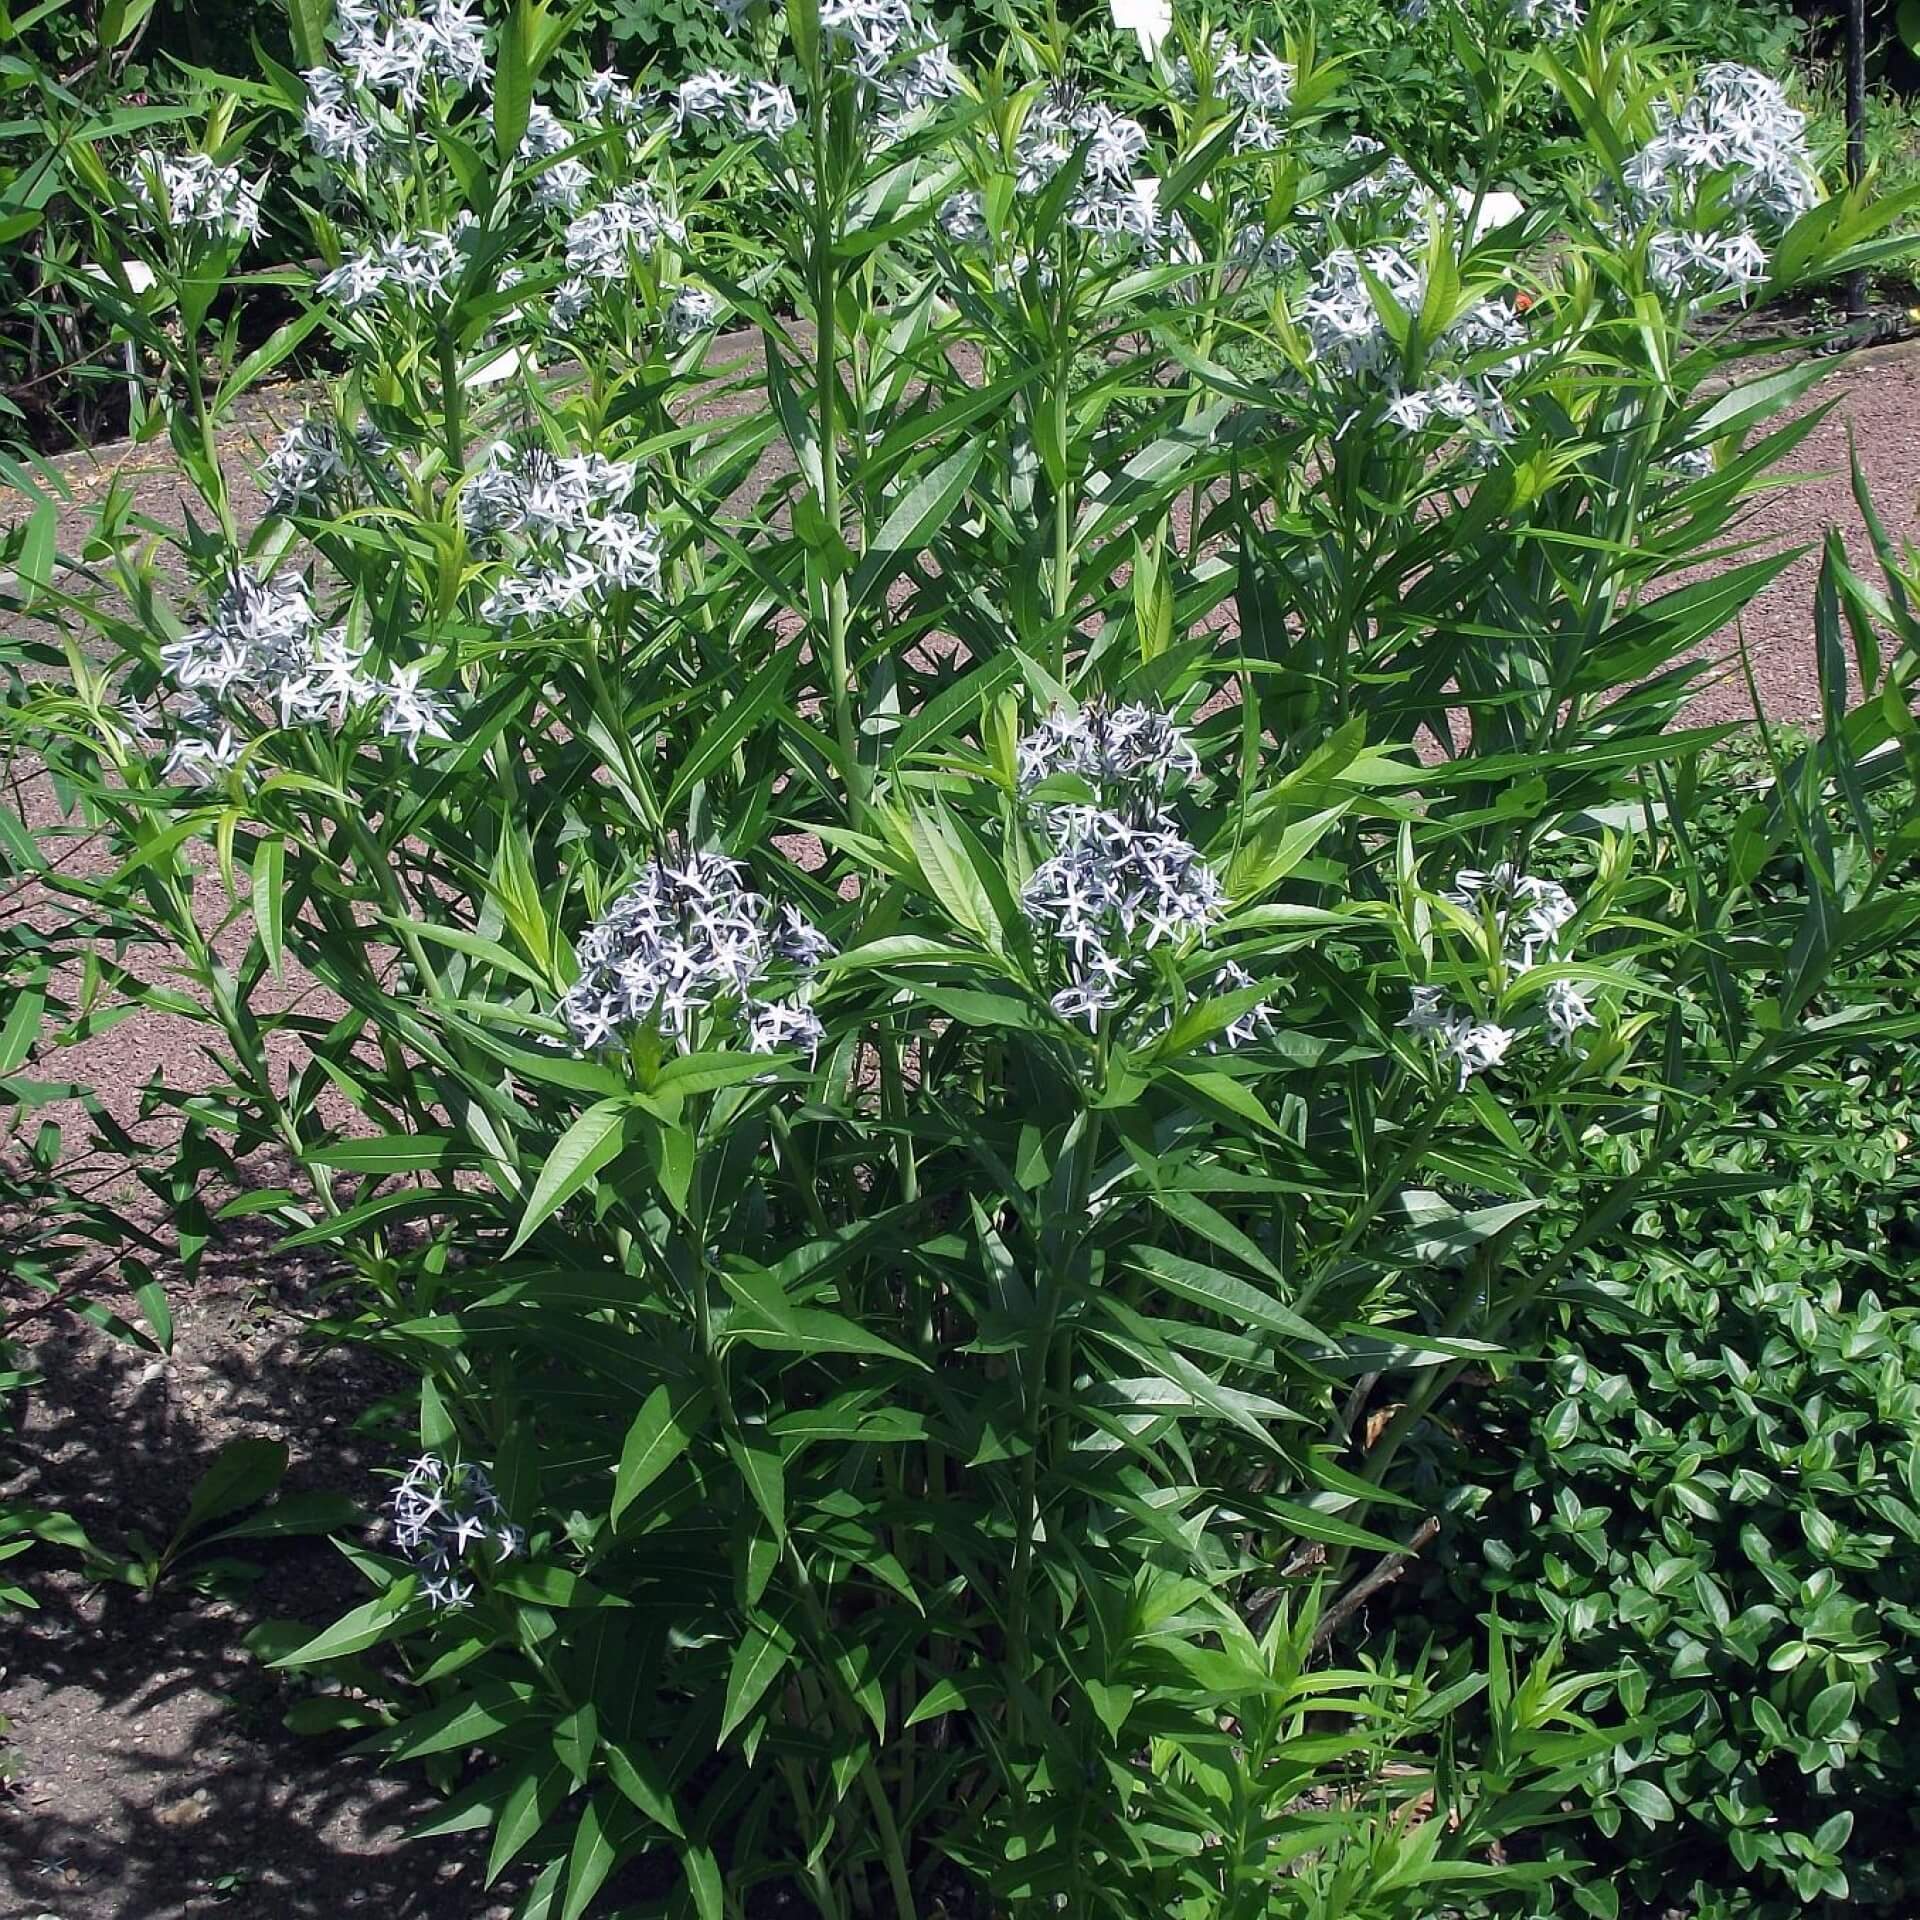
(152, 1777)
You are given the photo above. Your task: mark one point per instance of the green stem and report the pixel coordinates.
(452, 406)
(826, 301)
(1063, 545)
(210, 447)
(1038, 1372)
(845, 1709)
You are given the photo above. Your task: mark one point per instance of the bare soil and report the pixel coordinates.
(152, 1777)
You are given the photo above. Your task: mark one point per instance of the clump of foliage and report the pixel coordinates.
(1714, 1490)
(975, 947)
(1708, 1482)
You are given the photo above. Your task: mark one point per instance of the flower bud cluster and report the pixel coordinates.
(687, 941)
(445, 1518)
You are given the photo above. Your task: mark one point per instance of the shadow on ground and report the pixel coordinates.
(153, 1776)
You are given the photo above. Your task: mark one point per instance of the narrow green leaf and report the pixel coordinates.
(586, 1146)
(1238, 1301)
(733, 723)
(388, 1153)
(703, 1881)
(269, 886)
(366, 1626)
(539, 1791)
(22, 1028)
(918, 515)
(633, 1771)
(243, 1471)
(591, 1860)
(760, 1467)
(658, 1436)
(764, 1653)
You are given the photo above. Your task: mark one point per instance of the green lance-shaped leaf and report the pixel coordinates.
(366, 1626)
(593, 1856)
(307, 29)
(243, 1471)
(703, 1881)
(659, 1435)
(764, 1653)
(917, 517)
(1234, 1299)
(269, 885)
(635, 1773)
(586, 1146)
(733, 723)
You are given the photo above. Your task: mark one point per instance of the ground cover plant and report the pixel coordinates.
(1709, 1489)
(1001, 872)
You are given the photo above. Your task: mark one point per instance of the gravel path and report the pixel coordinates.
(1876, 407)
(153, 1779)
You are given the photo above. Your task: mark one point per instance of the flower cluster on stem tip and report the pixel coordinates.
(606, 241)
(263, 647)
(906, 65)
(1123, 879)
(688, 940)
(1120, 751)
(388, 51)
(1349, 342)
(580, 542)
(1256, 80)
(611, 99)
(306, 469)
(445, 1519)
(194, 193)
(1528, 914)
(1551, 19)
(404, 270)
(313, 465)
(1110, 201)
(557, 183)
(1737, 135)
